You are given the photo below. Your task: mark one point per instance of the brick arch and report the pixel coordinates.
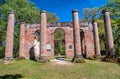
(59, 28)
(68, 40)
(88, 38)
(63, 39)
(37, 34)
(55, 28)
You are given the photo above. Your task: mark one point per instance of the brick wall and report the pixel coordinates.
(87, 45)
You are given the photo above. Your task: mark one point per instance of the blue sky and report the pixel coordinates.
(63, 8)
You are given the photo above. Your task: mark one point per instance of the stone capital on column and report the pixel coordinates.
(42, 11)
(104, 11)
(22, 23)
(94, 20)
(12, 12)
(75, 10)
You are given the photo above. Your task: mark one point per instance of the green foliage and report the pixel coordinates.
(101, 32)
(59, 47)
(89, 14)
(59, 37)
(59, 34)
(117, 40)
(2, 50)
(25, 11)
(114, 7)
(16, 41)
(51, 17)
(92, 13)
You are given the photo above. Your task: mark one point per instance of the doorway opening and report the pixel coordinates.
(59, 42)
(35, 49)
(83, 47)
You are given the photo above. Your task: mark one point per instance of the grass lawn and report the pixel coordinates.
(27, 69)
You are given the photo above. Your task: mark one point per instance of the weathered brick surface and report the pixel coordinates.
(108, 34)
(87, 45)
(9, 40)
(43, 35)
(88, 40)
(75, 43)
(72, 38)
(76, 33)
(10, 36)
(22, 40)
(29, 43)
(96, 39)
(68, 40)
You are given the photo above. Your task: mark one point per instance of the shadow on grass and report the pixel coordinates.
(10, 76)
(119, 61)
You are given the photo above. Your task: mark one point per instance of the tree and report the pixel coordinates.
(114, 7)
(51, 17)
(116, 33)
(89, 14)
(25, 11)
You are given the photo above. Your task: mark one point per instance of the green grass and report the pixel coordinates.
(92, 69)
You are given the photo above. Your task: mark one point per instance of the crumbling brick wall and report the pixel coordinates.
(87, 45)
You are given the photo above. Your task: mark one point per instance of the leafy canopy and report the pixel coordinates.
(25, 11)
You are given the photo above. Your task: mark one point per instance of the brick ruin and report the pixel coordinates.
(81, 38)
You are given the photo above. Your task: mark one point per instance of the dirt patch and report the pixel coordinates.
(61, 62)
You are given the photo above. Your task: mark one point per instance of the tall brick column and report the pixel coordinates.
(96, 39)
(43, 37)
(22, 41)
(76, 33)
(9, 39)
(108, 34)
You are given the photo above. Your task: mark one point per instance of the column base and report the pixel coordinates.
(21, 58)
(78, 59)
(110, 59)
(97, 56)
(8, 60)
(37, 58)
(43, 59)
(112, 56)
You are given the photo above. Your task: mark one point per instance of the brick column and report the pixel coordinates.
(9, 39)
(96, 39)
(22, 41)
(108, 34)
(43, 37)
(76, 33)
